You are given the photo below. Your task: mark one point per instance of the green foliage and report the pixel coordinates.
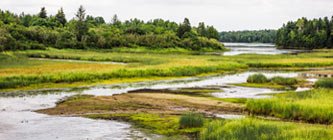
(324, 83)
(306, 34)
(20, 81)
(191, 120)
(277, 80)
(284, 81)
(257, 78)
(262, 36)
(314, 106)
(254, 129)
(84, 32)
(184, 28)
(42, 13)
(60, 17)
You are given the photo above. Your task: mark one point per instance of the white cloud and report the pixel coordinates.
(224, 14)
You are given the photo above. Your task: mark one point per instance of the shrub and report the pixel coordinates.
(324, 83)
(257, 78)
(191, 119)
(284, 81)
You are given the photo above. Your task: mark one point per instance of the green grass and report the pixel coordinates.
(284, 81)
(254, 129)
(17, 71)
(262, 85)
(257, 78)
(315, 106)
(324, 83)
(277, 82)
(191, 120)
(20, 81)
(163, 124)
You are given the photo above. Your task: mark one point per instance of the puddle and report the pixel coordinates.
(229, 116)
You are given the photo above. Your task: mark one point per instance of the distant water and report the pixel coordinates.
(256, 48)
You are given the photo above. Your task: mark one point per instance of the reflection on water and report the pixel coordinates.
(256, 48)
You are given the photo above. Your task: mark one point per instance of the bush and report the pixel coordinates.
(324, 83)
(191, 119)
(284, 81)
(257, 78)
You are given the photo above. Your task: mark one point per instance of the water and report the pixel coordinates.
(256, 48)
(19, 122)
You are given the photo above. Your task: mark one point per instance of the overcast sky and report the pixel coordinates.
(225, 15)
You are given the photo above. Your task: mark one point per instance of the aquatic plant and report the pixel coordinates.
(255, 129)
(284, 81)
(324, 83)
(315, 106)
(191, 119)
(257, 78)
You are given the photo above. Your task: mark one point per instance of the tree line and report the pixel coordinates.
(306, 34)
(39, 31)
(259, 36)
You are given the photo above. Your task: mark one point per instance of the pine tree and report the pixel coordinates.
(42, 13)
(60, 16)
(184, 28)
(81, 25)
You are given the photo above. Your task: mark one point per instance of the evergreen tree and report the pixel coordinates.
(42, 13)
(183, 28)
(81, 25)
(60, 17)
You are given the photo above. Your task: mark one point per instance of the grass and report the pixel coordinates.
(20, 81)
(255, 129)
(191, 120)
(315, 106)
(262, 85)
(277, 82)
(257, 78)
(17, 71)
(160, 113)
(324, 83)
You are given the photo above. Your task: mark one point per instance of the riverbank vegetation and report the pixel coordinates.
(313, 106)
(171, 114)
(39, 31)
(25, 69)
(306, 34)
(324, 83)
(256, 129)
(277, 82)
(258, 36)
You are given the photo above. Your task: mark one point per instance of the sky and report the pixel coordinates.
(225, 15)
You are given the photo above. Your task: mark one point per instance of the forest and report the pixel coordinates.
(39, 31)
(306, 34)
(247, 36)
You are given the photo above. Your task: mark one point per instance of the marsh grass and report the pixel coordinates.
(254, 129)
(191, 120)
(277, 82)
(315, 106)
(19, 81)
(324, 83)
(257, 78)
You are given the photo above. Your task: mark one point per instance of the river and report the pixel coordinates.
(256, 48)
(18, 121)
